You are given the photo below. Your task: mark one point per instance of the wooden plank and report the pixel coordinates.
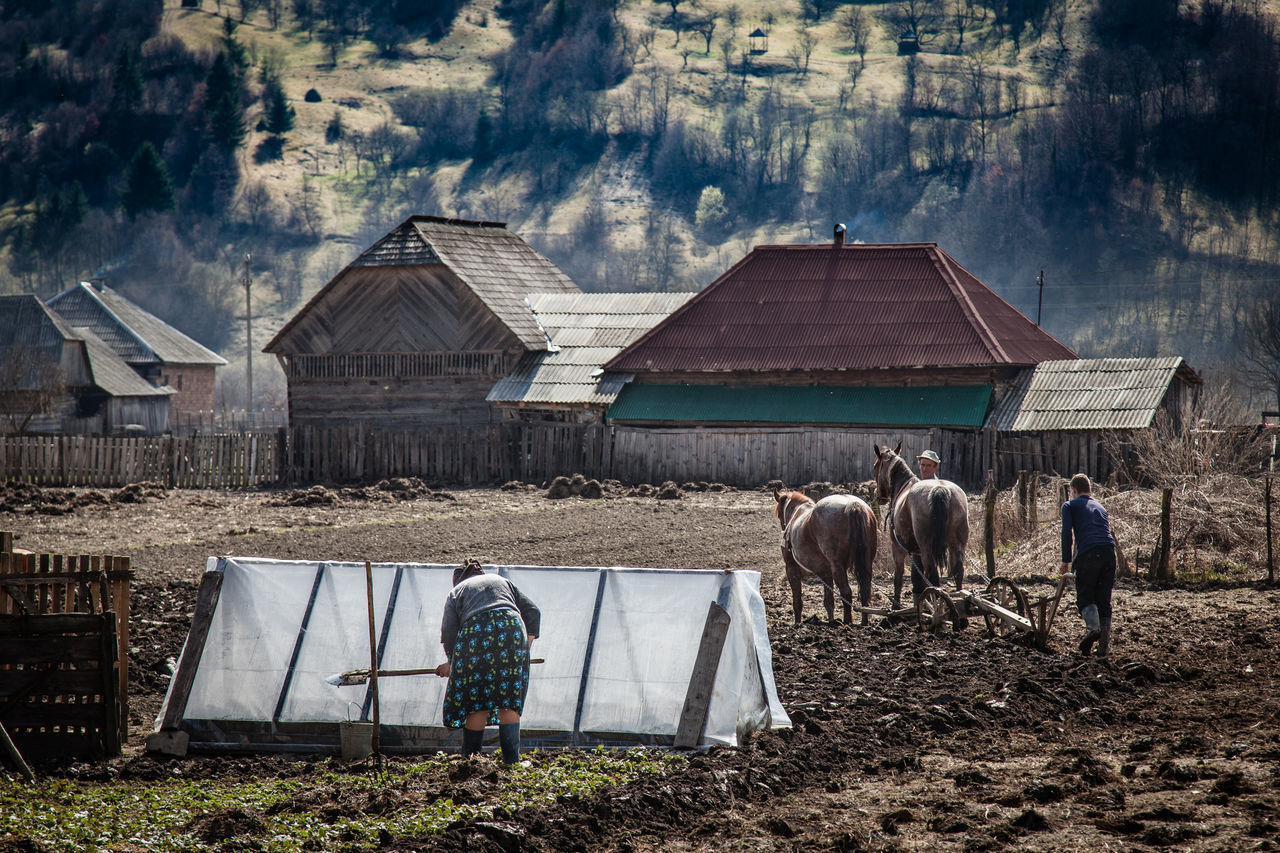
(85, 682)
(702, 681)
(43, 649)
(180, 689)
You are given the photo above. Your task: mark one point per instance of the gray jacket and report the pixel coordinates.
(478, 594)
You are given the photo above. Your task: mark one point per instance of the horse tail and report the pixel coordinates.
(939, 513)
(862, 542)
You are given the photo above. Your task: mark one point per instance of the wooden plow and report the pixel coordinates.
(1006, 608)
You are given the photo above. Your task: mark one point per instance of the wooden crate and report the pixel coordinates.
(50, 584)
(58, 684)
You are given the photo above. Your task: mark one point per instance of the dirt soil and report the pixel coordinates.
(902, 739)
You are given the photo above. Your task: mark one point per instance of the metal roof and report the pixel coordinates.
(28, 329)
(842, 306)
(498, 266)
(112, 374)
(945, 406)
(133, 334)
(587, 330)
(1089, 393)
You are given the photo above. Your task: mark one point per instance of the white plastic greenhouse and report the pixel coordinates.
(620, 646)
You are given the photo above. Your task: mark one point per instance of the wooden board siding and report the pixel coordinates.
(397, 309)
(391, 403)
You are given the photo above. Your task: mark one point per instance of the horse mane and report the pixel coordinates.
(800, 497)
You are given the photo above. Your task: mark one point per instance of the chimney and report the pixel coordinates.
(839, 241)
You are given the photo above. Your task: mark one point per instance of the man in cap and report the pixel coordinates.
(928, 462)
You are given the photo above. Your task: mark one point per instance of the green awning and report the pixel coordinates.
(943, 406)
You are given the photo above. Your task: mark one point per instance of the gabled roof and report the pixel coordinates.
(842, 306)
(495, 263)
(135, 335)
(1090, 393)
(587, 330)
(25, 321)
(112, 374)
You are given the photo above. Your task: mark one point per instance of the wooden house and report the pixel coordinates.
(417, 329)
(56, 378)
(159, 353)
(566, 383)
(864, 342)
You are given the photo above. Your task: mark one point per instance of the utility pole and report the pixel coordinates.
(1040, 299)
(248, 333)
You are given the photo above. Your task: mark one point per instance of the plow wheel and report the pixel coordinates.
(935, 609)
(1010, 596)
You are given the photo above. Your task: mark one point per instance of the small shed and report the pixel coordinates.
(758, 42)
(156, 351)
(1058, 413)
(418, 329)
(567, 383)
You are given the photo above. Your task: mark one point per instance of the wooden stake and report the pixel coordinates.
(1022, 499)
(12, 750)
(373, 665)
(989, 534)
(1271, 566)
(1160, 562)
(1032, 498)
(702, 681)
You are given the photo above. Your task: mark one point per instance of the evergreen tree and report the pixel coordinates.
(482, 152)
(226, 123)
(148, 186)
(126, 84)
(279, 114)
(223, 77)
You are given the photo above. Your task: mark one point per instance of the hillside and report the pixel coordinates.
(647, 146)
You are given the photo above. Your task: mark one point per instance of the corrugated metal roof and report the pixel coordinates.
(498, 266)
(133, 334)
(853, 306)
(112, 374)
(588, 329)
(947, 406)
(1090, 393)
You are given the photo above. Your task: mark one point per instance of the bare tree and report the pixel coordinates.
(919, 17)
(1260, 348)
(807, 41)
(855, 25)
(31, 383)
(705, 26)
(964, 13)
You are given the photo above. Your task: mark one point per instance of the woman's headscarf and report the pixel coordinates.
(469, 568)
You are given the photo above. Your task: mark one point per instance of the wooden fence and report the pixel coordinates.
(64, 647)
(536, 452)
(234, 461)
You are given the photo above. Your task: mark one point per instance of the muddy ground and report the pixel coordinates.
(902, 740)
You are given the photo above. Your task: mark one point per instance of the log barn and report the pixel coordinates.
(417, 329)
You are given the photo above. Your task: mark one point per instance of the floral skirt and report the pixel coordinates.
(490, 668)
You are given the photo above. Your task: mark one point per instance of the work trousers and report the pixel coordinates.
(1095, 571)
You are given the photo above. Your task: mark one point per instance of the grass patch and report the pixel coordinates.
(321, 811)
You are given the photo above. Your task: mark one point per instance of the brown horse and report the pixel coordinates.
(824, 539)
(928, 519)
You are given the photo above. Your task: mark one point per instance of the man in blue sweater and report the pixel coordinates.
(1094, 564)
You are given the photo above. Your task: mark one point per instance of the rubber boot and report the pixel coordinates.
(1104, 639)
(471, 741)
(509, 740)
(1093, 629)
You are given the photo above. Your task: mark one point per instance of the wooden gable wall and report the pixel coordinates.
(397, 309)
(335, 377)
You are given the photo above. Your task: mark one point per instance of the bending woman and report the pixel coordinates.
(487, 627)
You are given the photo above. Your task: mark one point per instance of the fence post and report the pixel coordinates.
(1160, 559)
(989, 525)
(1022, 498)
(1271, 566)
(1032, 497)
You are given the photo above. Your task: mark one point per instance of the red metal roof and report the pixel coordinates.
(852, 306)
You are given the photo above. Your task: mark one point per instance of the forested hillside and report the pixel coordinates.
(1127, 148)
